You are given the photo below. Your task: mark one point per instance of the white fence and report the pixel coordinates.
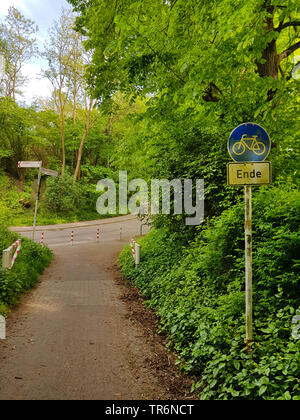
(8, 257)
(2, 328)
(136, 251)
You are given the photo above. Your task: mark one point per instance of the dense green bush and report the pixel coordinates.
(62, 195)
(198, 293)
(74, 201)
(30, 263)
(10, 207)
(61, 201)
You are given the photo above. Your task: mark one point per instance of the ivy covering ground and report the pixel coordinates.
(198, 294)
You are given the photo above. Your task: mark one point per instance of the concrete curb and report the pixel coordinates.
(63, 226)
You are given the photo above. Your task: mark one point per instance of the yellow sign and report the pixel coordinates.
(251, 173)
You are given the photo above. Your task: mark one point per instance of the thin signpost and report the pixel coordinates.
(42, 171)
(248, 265)
(36, 201)
(248, 145)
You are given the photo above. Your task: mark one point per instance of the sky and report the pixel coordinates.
(43, 13)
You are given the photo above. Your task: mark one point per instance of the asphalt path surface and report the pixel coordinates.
(110, 229)
(74, 336)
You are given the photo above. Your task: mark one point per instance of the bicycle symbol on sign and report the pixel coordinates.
(255, 146)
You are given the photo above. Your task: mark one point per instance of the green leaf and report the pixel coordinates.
(262, 390)
(236, 364)
(173, 329)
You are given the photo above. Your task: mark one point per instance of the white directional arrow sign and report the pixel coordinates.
(29, 164)
(49, 172)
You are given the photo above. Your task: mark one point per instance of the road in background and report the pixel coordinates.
(86, 232)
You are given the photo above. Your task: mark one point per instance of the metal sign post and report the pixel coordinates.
(42, 171)
(248, 145)
(248, 264)
(36, 201)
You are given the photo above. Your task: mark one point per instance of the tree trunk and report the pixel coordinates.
(14, 88)
(271, 65)
(62, 132)
(21, 175)
(76, 173)
(110, 124)
(74, 111)
(63, 166)
(80, 150)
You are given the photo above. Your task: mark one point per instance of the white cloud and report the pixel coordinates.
(37, 86)
(43, 13)
(19, 4)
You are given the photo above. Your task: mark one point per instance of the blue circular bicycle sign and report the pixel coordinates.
(249, 143)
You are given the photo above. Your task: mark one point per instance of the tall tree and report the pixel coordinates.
(202, 48)
(204, 67)
(89, 122)
(79, 93)
(58, 52)
(67, 59)
(18, 47)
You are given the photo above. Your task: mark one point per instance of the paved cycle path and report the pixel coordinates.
(72, 336)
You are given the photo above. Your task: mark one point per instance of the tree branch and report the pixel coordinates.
(211, 93)
(214, 38)
(163, 62)
(288, 51)
(113, 17)
(175, 1)
(287, 24)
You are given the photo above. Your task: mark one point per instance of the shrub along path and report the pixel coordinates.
(83, 334)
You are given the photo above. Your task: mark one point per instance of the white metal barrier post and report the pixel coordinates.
(137, 254)
(18, 245)
(132, 242)
(7, 259)
(2, 328)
